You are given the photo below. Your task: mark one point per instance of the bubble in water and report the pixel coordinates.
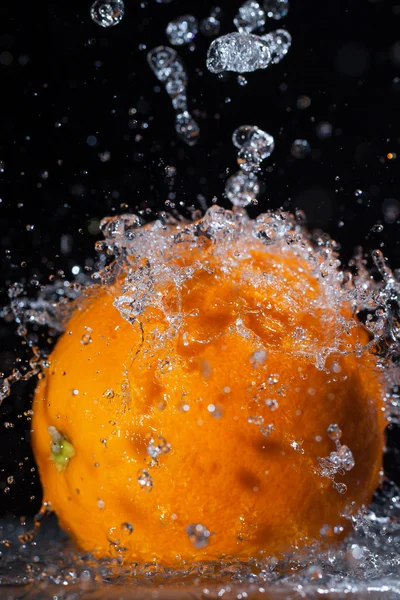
(170, 69)
(300, 149)
(145, 480)
(158, 447)
(242, 188)
(276, 9)
(107, 14)
(182, 31)
(238, 52)
(198, 535)
(279, 43)
(250, 17)
(187, 128)
(210, 26)
(242, 80)
(255, 138)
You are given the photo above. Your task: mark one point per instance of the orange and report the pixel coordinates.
(202, 425)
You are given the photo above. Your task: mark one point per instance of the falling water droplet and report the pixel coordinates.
(182, 31)
(170, 69)
(210, 26)
(279, 43)
(300, 149)
(187, 128)
(238, 52)
(276, 9)
(253, 137)
(107, 14)
(242, 188)
(250, 17)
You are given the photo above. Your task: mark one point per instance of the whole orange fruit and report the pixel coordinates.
(232, 412)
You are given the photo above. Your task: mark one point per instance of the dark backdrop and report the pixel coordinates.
(69, 79)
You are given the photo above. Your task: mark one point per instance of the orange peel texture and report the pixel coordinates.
(196, 427)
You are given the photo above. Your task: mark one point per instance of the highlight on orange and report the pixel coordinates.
(216, 398)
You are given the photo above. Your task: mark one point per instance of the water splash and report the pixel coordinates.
(366, 564)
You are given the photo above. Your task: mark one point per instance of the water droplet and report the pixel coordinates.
(182, 30)
(242, 80)
(334, 432)
(242, 188)
(300, 149)
(187, 128)
(324, 130)
(170, 69)
(198, 535)
(215, 410)
(145, 480)
(254, 137)
(276, 9)
(340, 487)
(279, 43)
(297, 447)
(256, 420)
(86, 339)
(162, 61)
(100, 503)
(258, 357)
(249, 159)
(250, 17)
(346, 458)
(157, 447)
(272, 404)
(267, 429)
(238, 52)
(107, 14)
(210, 26)
(127, 528)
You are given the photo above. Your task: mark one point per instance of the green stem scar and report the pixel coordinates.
(61, 449)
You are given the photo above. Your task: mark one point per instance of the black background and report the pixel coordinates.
(68, 79)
